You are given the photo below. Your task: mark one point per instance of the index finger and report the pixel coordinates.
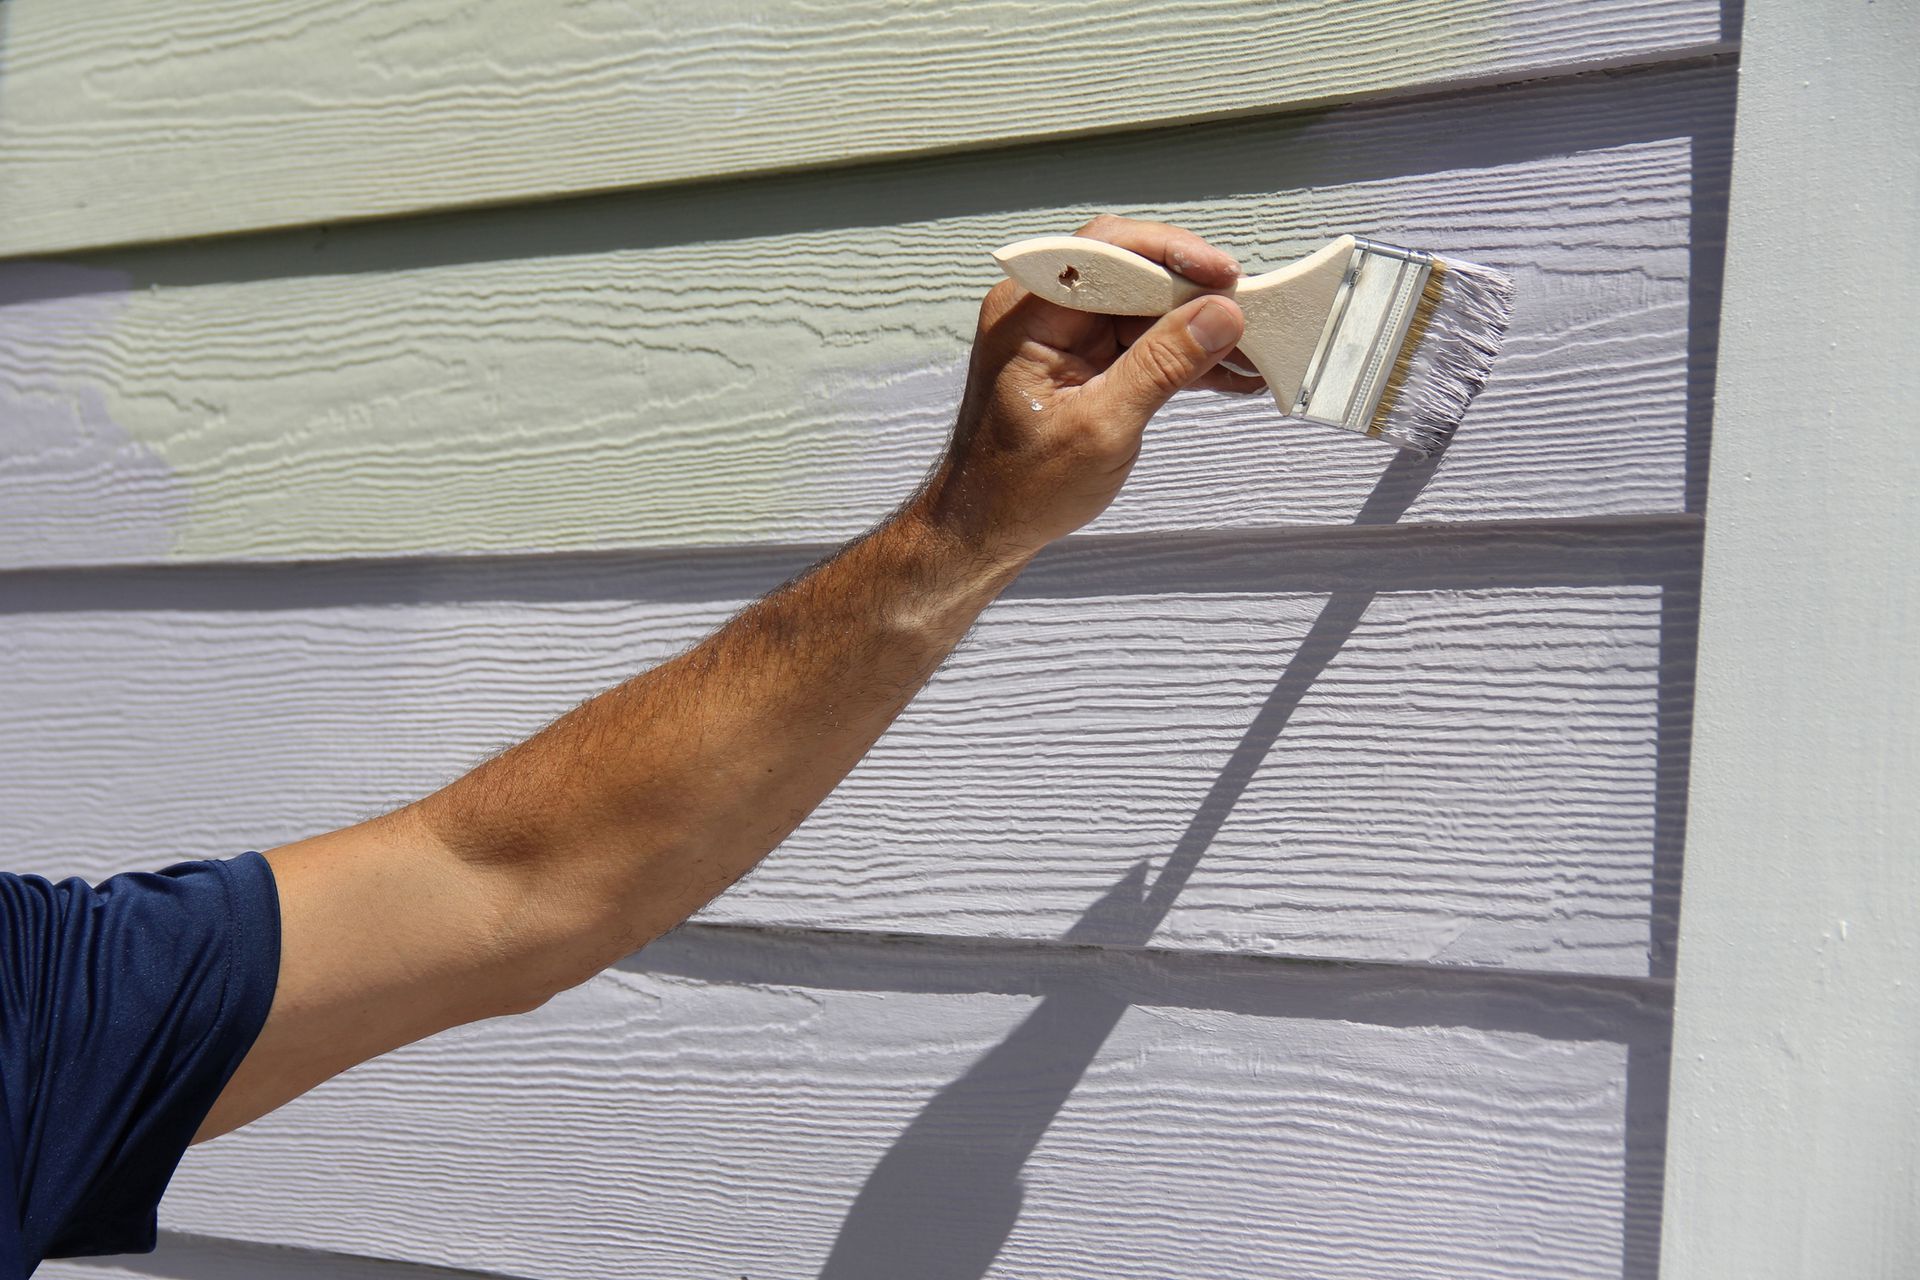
(1171, 246)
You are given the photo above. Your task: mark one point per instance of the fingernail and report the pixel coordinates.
(1214, 327)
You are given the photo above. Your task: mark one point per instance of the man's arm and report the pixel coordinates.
(544, 865)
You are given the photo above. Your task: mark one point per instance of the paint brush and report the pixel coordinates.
(1391, 343)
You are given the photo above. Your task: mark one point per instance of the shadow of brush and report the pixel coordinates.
(943, 1200)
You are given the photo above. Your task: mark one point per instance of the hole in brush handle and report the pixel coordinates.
(1094, 276)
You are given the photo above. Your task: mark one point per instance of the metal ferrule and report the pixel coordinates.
(1361, 342)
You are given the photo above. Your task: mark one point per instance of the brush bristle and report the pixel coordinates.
(1456, 332)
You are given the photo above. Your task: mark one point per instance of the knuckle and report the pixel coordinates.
(1162, 365)
(1001, 297)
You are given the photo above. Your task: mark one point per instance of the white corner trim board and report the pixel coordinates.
(1795, 1134)
(239, 114)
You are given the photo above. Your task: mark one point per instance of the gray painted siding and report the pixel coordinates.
(732, 1103)
(1341, 709)
(185, 1257)
(1464, 759)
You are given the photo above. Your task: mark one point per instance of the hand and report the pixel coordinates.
(1057, 400)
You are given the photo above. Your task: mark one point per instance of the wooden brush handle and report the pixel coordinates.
(1092, 275)
(1286, 309)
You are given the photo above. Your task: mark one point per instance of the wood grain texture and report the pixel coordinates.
(791, 1107)
(247, 114)
(779, 361)
(1007, 1006)
(1384, 745)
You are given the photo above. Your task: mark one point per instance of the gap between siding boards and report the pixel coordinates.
(1584, 1005)
(181, 1256)
(1651, 550)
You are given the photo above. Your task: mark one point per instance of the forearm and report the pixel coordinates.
(642, 804)
(627, 814)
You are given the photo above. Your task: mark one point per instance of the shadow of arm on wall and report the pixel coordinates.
(946, 1196)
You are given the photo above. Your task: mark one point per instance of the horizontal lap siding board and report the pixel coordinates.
(1403, 745)
(731, 1106)
(779, 361)
(1218, 724)
(182, 1257)
(242, 114)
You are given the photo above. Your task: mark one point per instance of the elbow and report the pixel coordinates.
(561, 893)
(547, 923)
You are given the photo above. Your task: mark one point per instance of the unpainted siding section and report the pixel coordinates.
(240, 114)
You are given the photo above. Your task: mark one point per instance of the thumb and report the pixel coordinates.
(1182, 345)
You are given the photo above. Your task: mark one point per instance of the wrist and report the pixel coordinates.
(934, 579)
(947, 511)
(965, 543)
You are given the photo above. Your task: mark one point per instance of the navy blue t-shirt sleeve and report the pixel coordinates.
(124, 1008)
